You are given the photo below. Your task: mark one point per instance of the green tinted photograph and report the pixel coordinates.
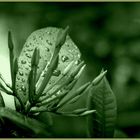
(69, 70)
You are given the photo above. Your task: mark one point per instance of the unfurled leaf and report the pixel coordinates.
(101, 98)
(28, 125)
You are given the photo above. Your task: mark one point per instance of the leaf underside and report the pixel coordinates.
(101, 123)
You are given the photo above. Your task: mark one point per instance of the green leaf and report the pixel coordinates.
(28, 125)
(101, 98)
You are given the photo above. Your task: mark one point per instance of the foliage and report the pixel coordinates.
(43, 80)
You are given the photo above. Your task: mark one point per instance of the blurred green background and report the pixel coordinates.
(108, 35)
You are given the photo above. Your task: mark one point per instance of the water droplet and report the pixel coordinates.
(46, 60)
(44, 94)
(28, 55)
(56, 72)
(49, 42)
(44, 73)
(20, 73)
(78, 55)
(20, 90)
(47, 49)
(27, 46)
(23, 80)
(64, 58)
(18, 78)
(30, 49)
(23, 62)
(41, 37)
(58, 92)
(53, 96)
(27, 68)
(23, 88)
(34, 37)
(77, 61)
(49, 33)
(67, 44)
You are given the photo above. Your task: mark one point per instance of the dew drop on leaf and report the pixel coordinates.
(78, 55)
(56, 72)
(30, 49)
(77, 61)
(23, 80)
(46, 60)
(64, 58)
(47, 49)
(67, 44)
(18, 78)
(28, 55)
(19, 90)
(27, 46)
(34, 37)
(49, 33)
(41, 37)
(23, 62)
(49, 42)
(20, 73)
(27, 68)
(23, 88)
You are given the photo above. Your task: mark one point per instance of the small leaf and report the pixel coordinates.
(29, 125)
(102, 122)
